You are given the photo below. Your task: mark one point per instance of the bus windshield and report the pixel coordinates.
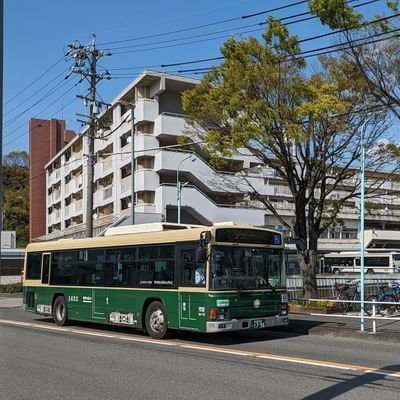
(238, 268)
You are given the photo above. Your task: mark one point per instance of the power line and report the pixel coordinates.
(52, 115)
(36, 92)
(225, 36)
(37, 115)
(44, 97)
(34, 81)
(207, 25)
(48, 106)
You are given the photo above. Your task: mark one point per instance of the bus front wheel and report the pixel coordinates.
(60, 311)
(156, 320)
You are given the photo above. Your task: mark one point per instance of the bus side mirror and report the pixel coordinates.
(205, 238)
(201, 255)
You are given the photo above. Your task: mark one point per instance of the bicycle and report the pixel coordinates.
(348, 292)
(391, 296)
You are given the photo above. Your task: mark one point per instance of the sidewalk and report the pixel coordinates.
(337, 325)
(10, 300)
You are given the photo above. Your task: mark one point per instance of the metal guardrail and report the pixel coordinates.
(326, 284)
(372, 317)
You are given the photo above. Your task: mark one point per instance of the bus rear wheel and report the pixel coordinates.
(156, 320)
(60, 311)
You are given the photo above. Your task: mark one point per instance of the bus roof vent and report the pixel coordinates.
(151, 227)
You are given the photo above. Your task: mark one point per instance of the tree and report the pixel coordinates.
(306, 127)
(371, 46)
(16, 195)
(17, 159)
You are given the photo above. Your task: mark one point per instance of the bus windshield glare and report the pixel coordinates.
(234, 268)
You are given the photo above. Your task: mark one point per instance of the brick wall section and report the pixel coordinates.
(46, 139)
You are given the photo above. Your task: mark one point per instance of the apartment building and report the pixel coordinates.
(46, 139)
(207, 195)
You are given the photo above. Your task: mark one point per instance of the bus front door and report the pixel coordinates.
(188, 295)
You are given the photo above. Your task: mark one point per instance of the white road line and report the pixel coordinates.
(307, 362)
(239, 353)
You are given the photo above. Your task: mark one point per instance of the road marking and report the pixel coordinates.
(200, 347)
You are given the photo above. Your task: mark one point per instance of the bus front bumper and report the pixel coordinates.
(251, 323)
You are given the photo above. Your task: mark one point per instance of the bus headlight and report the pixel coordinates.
(284, 309)
(220, 313)
(284, 304)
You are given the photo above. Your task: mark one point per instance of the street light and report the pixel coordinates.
(179, 185)
(362, 322)
(133, 202)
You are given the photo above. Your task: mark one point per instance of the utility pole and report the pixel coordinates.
(86, 58)
(1, 123)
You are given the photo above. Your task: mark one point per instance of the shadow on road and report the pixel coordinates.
(342, 387)
(295, 328)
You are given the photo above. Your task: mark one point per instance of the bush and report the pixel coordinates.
(11, 288)
(326, 305)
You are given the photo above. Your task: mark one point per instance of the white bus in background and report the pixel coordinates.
(349, 262)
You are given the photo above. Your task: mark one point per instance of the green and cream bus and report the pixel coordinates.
(150, 280)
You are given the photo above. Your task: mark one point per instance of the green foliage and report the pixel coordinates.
(263, 98)
(16, 196)
(337, 14)
(11, 288)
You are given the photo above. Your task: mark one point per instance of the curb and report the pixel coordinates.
(383, 336)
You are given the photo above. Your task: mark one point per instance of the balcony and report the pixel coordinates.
(146, 110)
(143, 143)
(146, 180)
(126, 184)
(169, 124)
(107, 164)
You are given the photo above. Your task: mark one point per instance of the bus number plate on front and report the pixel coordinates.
(258, 324)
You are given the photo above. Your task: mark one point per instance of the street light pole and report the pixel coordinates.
(179, 187)
(133, 199)
(362, 244)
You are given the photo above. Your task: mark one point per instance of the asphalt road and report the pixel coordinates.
(40, 361)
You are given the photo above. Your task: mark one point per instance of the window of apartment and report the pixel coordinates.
(143, 129)
(142, 92)
(67, 154)
(126, 171)
(348, 233)
(105, 210)
(126, 203)
(77, 220)
(145, 163)
(125, 139)
(145, 197)
(77, 196)
(77, 146)
(67, 178)
(102, 154)
(106, 181)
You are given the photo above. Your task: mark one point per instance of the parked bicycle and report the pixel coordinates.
(385, 295)
(346, 291)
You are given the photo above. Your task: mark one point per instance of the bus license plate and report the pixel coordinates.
(258, 324)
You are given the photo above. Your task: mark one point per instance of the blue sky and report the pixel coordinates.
(37, 33)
